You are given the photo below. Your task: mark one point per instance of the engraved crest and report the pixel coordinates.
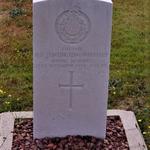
(72, 26)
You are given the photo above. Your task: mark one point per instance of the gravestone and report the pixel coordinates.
(71, 40)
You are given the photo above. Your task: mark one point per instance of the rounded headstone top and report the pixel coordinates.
(36, 1)
(109, 1)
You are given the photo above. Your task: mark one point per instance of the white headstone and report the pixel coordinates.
(71, 66)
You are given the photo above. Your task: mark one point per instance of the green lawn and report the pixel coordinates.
(130, 58)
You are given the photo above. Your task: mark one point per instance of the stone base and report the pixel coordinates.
(132, 130)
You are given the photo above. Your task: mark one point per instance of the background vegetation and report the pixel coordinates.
(129, 86)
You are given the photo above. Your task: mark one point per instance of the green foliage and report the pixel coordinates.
(11, 104)
(16, 12)
(143, 116)
(19, 1)
(129, 85)
(129, 74)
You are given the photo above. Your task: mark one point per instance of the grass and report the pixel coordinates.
(129, 86)
(16, 55)
(130, 61)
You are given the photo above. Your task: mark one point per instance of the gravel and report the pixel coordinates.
(115, 138)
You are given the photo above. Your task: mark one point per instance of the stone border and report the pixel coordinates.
(132, 130)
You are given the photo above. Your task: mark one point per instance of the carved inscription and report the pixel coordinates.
(72, 26)
(71, 86)
(72, 57)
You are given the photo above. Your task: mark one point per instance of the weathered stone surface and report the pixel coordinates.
(71, 67)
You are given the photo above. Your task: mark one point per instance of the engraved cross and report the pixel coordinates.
(71, 86)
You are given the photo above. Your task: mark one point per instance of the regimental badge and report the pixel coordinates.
(72, 26)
